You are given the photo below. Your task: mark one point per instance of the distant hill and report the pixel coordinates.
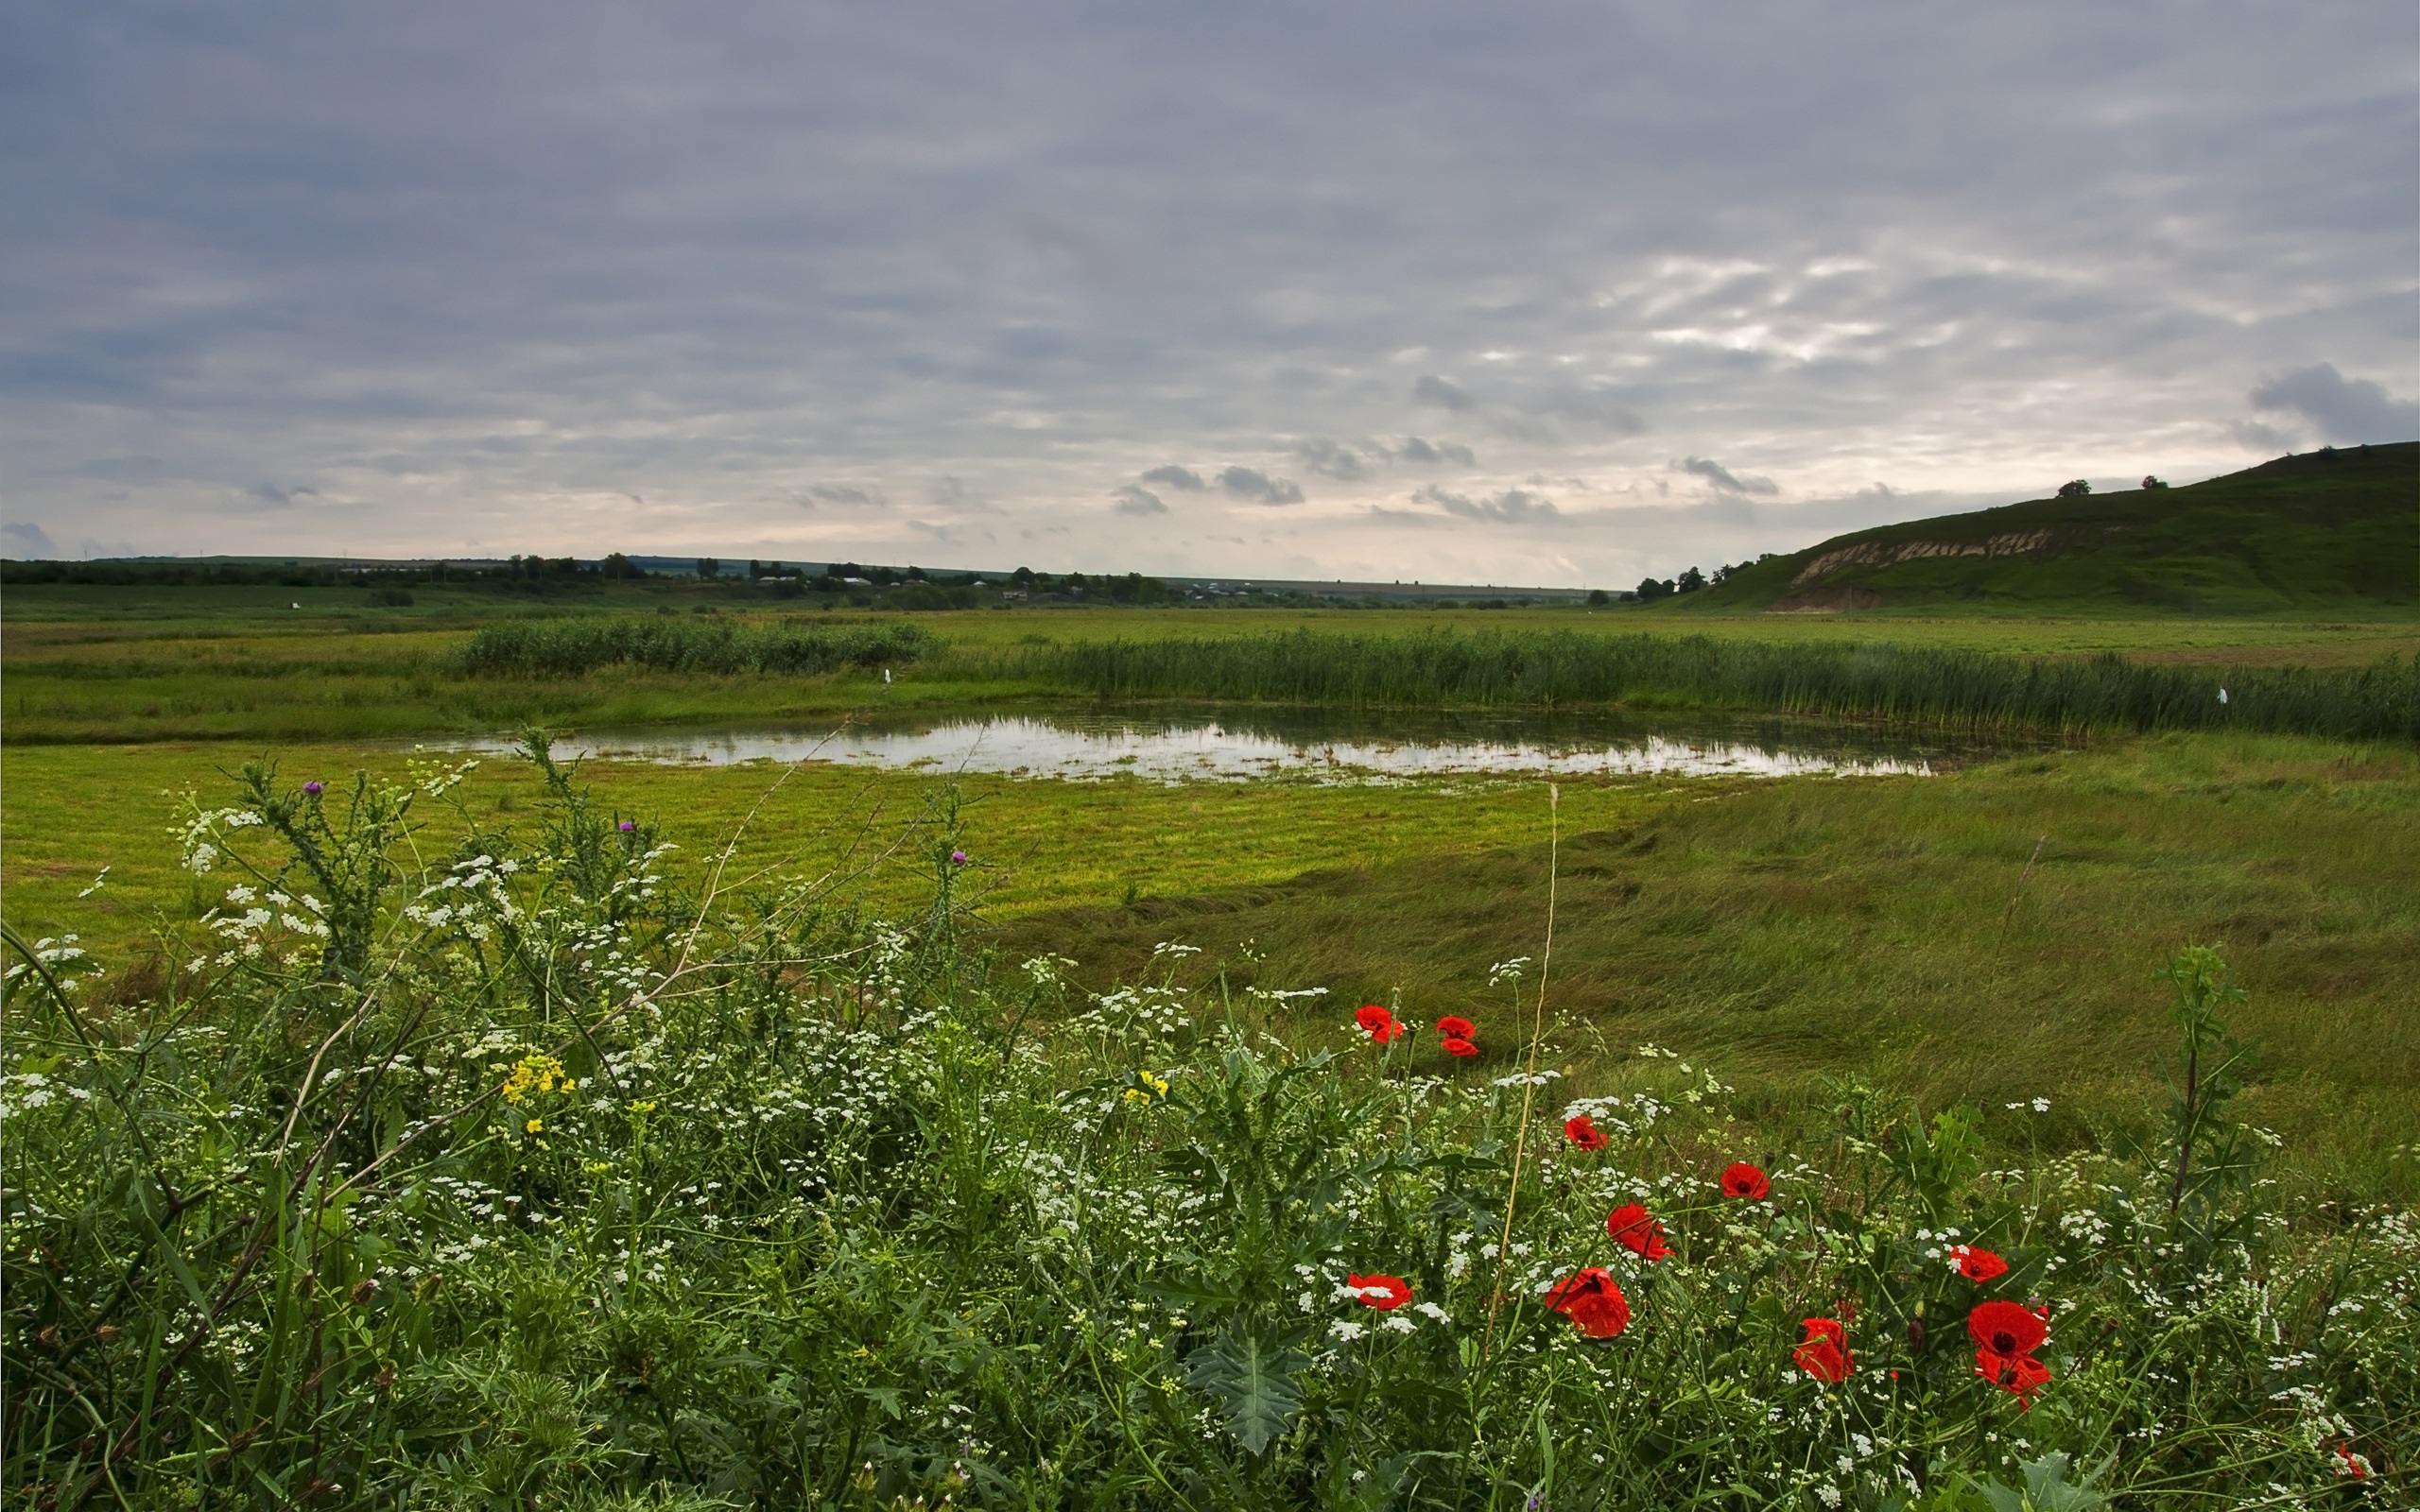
(2325, 529)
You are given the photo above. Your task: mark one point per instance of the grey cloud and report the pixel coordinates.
(1600, 411)
(1511, 506)
(2352, 410)
(33, 537)
(1176, 477)
(2253, 436)
(1258, 487)
(1434, 454)
(1724, 478)
(1133, 500)
(130, 470)
(841, 494)
(1327, 457)
(1444, 394)
(275, 497)
(695, 254)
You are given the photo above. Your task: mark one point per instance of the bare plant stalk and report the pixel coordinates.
(1529, 1071)
(2010, 912)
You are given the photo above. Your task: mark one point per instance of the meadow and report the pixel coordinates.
(236, 663)
(545, 1168)
(831, 1135)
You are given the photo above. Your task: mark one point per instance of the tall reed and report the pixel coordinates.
(1865, 681)
(567, 649)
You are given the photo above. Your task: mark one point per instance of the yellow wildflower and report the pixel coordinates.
(533, 1072)
(534, 1125)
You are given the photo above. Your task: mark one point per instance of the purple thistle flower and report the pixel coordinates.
(958, 858)
(315, 788)
(628, 825)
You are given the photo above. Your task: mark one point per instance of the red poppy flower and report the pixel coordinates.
(1378, 1023)
(2356, 1465)
(1740, 1180)
(1635, 1229)
(1583, 1132)
(1454, 1027)
(1824, 1352)
(2006, 1335)
(1977, 1264)
(1385, 1292)
(1459, 1047)
(1595, 1305)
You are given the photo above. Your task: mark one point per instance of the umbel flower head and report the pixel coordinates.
(1823, 1353)
(1595, 1305)
(1740, 1180)
(1385, 1292)
(1635, 1229)
(1583, 1131)
(1376, 1021)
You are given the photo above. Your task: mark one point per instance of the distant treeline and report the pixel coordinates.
(169, 573)
(1927, 686)
(565, 649)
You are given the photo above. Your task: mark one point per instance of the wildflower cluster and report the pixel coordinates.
(564, 1178)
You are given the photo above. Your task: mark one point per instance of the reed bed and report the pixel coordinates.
(1923, 686)
(568, 648)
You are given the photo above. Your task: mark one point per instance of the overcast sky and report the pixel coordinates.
(1514, 292)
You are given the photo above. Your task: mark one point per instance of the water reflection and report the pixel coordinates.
(1362, 746)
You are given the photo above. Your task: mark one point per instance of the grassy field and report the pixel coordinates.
(848, 1216)
(1981, 936)
(244, 671)
(588, 1180)
(1888, 926)
(1902, 929)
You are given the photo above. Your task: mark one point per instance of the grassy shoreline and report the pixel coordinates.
(326, 679)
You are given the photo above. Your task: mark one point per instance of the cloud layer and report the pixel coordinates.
(809, 282)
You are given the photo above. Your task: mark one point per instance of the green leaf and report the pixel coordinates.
(1250, 1376)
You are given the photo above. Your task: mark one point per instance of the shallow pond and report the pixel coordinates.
(1238, 744)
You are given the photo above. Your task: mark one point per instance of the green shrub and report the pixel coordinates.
(596, 1181)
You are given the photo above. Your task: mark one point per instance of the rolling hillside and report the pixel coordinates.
(2326, 530)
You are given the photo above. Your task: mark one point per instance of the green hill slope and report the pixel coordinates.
(2335, 530)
